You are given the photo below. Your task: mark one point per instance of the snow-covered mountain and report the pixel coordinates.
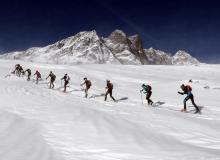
(88, 48)
(183, 58)
(84, 47)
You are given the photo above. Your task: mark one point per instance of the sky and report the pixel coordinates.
(169, 26)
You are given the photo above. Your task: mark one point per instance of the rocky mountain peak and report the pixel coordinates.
(136, 42)
(118, 36)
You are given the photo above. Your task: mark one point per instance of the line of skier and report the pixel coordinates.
(87, 83)
(146, 88)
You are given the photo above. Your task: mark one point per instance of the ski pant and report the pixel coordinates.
(18, 73)
(65, 84)
(148, 95)
(109, 91)
(51, 82)
(86, 91)
(37, 80)
(29, 77)
(191, 97)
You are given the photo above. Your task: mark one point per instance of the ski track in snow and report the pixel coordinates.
(48, 124)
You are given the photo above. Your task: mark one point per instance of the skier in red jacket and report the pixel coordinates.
(187, 89)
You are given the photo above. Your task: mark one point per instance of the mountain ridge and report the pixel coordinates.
(88, 48)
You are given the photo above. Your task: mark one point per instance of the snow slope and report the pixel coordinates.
(37, 123)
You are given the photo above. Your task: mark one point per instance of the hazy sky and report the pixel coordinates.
(166, 25)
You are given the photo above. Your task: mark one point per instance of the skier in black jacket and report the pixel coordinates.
(109, 87)
(146, 89)
(29, 74)
(66, 79)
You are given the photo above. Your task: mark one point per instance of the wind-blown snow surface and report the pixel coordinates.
(37, 123)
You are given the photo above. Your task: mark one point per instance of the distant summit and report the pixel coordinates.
(88, 48)
(184, 58)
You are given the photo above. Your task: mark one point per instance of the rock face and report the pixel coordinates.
(128, 50)
(158, 57)
(88, 48)
(118, 37)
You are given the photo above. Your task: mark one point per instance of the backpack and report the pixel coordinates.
(149, 87)
(189, 88)
(112, 85)
(89, 83)
(53, 76)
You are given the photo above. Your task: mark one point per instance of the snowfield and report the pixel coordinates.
(37, 123)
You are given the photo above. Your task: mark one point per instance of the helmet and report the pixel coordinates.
(107, 80)
(143, 85)
(182, 86)
(85, 78)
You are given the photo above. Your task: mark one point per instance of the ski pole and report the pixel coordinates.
(142, 99)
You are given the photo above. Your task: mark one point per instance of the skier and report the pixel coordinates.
(109, 87)
(66, 79)
(88, 85)
(29, 74)
(52, 79)
(16, 69)
(37, 73)
(146, 89)
(21, 71)
(187, 89)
